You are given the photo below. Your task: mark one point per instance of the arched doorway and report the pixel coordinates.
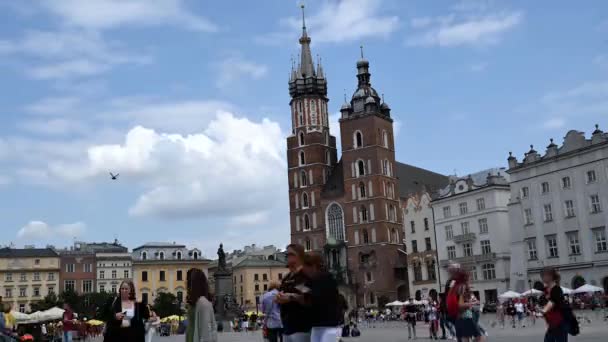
(402, 293)
(605, 284)
(578, 281)
(539, 286)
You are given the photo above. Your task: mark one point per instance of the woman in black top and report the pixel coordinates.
(326, 309)
(557, 329)
(126, 322)
(293, 296)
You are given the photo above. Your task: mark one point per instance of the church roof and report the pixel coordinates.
(413, 179)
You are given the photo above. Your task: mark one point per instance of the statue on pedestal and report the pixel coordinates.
(221, 259)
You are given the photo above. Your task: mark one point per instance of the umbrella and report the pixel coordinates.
(509, 295)
(532, 292)
(588, 289)
(395, 303)
(94, 322)
(566, 290)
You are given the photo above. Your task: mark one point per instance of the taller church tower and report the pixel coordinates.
(311, 150)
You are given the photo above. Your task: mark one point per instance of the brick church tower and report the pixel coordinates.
(311, 150)
(371, 190)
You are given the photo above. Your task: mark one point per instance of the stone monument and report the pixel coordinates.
(225, 309)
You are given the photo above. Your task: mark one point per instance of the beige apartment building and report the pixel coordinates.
(251, 278)
(27, 275)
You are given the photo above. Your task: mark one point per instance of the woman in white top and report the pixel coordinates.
(151, 325)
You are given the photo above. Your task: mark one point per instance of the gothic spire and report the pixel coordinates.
(306, 64)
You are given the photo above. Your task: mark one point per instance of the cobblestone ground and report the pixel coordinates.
(596, 331)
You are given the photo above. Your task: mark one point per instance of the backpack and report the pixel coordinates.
(452, 304)
(570, 319)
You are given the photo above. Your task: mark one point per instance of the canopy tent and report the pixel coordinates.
(532, 292)
(509, 295)
(566, 290)
(395, 303)
(588, 289)
(20, 317)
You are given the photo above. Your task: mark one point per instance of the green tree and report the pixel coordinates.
(72, 298)
(95, 303)
(48, 302)
(166, 304)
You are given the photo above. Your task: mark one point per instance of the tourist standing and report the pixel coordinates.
(128, 316)
(272, 313)
(410, 319)
(293, 294)
(520, 311)
(326, 310)
(202, 326)
(68, 322)
(466, 329)
(557, 330)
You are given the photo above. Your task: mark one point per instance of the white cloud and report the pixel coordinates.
(234, 167)
(109, 14)
(554, 123)
(39, 230)
(339, 21)
(69, 54)
(465, 26)
(478, 67)
(54, 126)
(233, 69)
(584, 99)
(53, 105)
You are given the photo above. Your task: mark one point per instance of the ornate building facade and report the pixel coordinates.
(347, 207)
(558, 212)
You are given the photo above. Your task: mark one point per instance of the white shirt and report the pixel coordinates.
(519, 307)
(129, 313)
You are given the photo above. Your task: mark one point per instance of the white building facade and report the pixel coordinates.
(112, 269)
(472, 229)
(420, 246)
(559, 211)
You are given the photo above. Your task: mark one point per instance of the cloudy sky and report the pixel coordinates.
(188, 101)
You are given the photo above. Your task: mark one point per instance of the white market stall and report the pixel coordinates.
(509, 295)
(588, 289)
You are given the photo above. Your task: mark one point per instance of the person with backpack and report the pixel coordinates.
(558, 315)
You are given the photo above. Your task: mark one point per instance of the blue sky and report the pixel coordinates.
(188, 101)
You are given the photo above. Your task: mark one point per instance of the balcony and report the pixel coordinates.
(464, 237)
(470, 259)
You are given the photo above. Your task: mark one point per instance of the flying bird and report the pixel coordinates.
(114, 176)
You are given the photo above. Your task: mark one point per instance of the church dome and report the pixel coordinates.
(345, 106)
(370, 100)
(362, 63)
(385, 106)
(365, 92)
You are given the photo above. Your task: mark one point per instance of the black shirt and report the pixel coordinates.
(327, 311)
(296, 317)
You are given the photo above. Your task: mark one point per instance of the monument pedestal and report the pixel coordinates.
(223, 290)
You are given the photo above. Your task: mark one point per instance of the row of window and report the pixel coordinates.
(162, 276)
(430, 271)
(598, 237)
(467, 249)
(301, 141)
(302, 158)
(23, 276)
(161, 255)
(358, 139)
(595, 206)
(466, 228)
(8, 292)
(488, 272)
(126, 264)
(413, 225)
(366, 237)
(566, 183)
(463, 208)
(427, 243)
(86, 268)
(256, 277)
(314, 114)
(87, 285)
(102, 274)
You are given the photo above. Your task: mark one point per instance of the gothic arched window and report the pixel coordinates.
(365, 236)
(307, 245)
(394, 236)
(195, 255)
(301, 138)
(302, 159)
(327, 138)
(161, 255)
(361, 168)
(144, 256)
(385, 167)
(303, 178)
(327, 158)
(363, 213)
(362, 190)
(358, 139)
(178, 255)
(385, 139)
(306, 222)
(335, 222)
(304, 200)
